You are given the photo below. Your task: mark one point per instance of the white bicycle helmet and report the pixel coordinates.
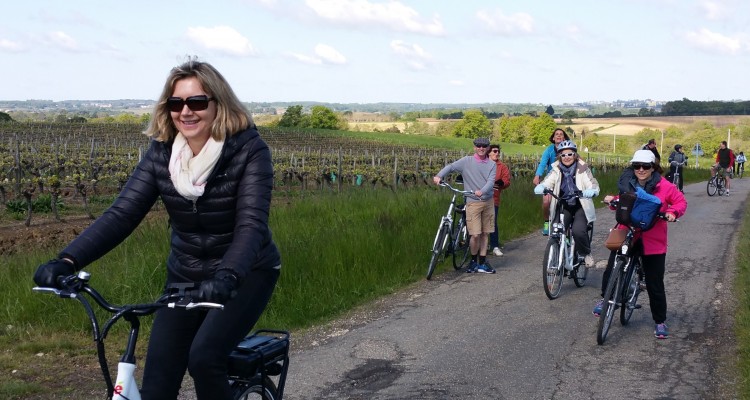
(567, 144)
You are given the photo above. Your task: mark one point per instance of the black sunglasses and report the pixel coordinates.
(194, 103)
(645, 167)
(484, 146)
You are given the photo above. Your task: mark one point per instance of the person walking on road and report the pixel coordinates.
(644, 172)
(502, 182)
(478, 173)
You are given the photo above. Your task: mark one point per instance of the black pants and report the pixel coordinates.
(653, 270)
(672, 170)
(580, 224)
(200, 341)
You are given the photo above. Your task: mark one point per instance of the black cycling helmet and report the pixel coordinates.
(567, 144)
(481, 141)
(552, 136)
(677, 147)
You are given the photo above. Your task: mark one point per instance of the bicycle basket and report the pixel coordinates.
(638, 209)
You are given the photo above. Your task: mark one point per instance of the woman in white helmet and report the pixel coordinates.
(568, 176)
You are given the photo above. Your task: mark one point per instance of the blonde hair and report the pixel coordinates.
(231, 115)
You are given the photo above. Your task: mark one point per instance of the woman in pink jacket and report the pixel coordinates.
(646, 173)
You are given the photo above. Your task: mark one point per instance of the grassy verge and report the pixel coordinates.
(339, 251)
(742, 317)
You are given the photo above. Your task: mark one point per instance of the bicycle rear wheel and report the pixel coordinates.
(552, 269)
(253, 389)
(631, 288)
(611, 301)
(711, 186)
(441, 239)
(460, 244)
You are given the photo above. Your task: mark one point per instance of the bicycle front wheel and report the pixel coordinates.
(631, 289)
(611, 301)
(441, 239)
(552, 269)
(461, 245)
(711, 187)
(254, 390)
(721, 185)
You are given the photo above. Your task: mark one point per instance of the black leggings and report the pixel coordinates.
(200, 341)
(653, 269)
(580, 227)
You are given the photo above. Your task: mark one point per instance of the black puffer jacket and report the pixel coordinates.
(226, 228)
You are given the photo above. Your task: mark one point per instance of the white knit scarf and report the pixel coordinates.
(189, 173)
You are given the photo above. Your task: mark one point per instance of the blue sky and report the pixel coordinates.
(367, 51)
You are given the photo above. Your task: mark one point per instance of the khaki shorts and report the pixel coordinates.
(480, 217)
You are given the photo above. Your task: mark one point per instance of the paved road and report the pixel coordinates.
(499, 337)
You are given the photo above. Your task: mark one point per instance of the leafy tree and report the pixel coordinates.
(474, 124)
(550, 110)
(540, 129)
(4, 117)
(322, 117)
(293, 117)
(515, 129)
(417, 127)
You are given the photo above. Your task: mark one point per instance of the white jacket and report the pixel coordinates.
(584, 180)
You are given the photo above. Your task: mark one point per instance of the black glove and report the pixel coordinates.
(219, 289)
(499, 184)
(47, 274)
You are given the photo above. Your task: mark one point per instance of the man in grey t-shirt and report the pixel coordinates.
(478, 172)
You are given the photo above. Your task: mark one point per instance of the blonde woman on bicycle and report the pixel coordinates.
(213, 172)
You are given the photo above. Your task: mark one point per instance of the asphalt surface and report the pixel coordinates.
(478, 336)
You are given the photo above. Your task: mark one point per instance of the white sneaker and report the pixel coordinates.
(496, 251)
(588, 260)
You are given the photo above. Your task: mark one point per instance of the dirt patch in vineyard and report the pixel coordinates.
(41, 234)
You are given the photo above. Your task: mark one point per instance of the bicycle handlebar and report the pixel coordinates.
(182, 297)
(459, 191)
(661, 215)
(576, 194)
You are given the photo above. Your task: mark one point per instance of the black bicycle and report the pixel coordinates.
(560, 257)
(717, 184)
(677, 177)
(624, 285)
(256, 359)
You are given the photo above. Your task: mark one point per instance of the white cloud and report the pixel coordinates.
(414, 55)
(10, 46)
(329, 55)
(456, 82)
(222, 39)
(62, 40)
(713, 10)
(305, 59)
(391, 14)
(713, 42)
(324, 54)
(514, 24)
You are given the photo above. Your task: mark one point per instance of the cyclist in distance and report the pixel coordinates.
(725, 162)
(644, 172)
(478, 172)
(570, 174)
(545, 165)
(677, 160)
(740, 162)
(214, 175)
(502, 182)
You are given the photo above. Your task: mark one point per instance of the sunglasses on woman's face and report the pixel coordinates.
(567, 155)
(645, 167)
(194, 103)
(494, 151)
